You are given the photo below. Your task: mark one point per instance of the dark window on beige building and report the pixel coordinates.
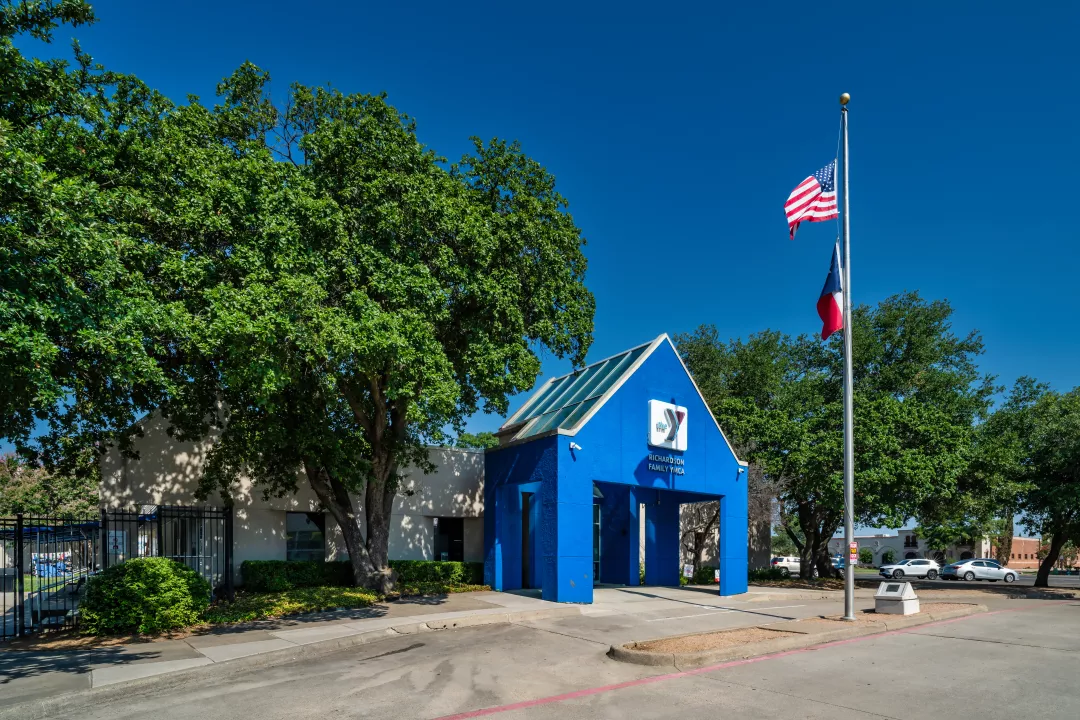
(305, 536)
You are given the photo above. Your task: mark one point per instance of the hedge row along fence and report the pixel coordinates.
(282, 575)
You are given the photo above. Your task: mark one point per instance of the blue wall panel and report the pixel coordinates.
(506, 472)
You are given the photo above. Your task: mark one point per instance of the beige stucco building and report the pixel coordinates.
(436, 516)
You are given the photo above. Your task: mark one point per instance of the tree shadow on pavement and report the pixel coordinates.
(18, 664)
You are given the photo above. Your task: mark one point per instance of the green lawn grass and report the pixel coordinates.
(32, 583)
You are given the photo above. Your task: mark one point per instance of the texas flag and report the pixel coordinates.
(830, 306)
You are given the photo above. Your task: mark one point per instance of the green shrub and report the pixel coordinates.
(282, 575)
(430, 588)
(866, 556)
(435, 571)
(769, 573)
(705, 575)
(143, 595)
(888, 557)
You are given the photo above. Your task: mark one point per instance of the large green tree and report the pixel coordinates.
(348, 294)
(917, 395)
(1038, 461)
(307, 286)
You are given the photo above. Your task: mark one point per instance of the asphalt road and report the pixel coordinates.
(1027, 580)
(1025, 654)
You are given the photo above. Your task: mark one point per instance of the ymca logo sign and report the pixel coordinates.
(667, 425)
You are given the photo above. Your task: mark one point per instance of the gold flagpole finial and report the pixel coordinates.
(844, 99)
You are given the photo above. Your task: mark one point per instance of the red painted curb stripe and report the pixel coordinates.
(711, 668)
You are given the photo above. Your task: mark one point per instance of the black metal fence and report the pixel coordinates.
(46, 562)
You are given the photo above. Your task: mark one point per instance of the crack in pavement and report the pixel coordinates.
(567, 635)
(994, 642)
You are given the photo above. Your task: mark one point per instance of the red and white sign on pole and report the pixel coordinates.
(853, 553)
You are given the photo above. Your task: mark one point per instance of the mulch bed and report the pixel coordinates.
(711, 641)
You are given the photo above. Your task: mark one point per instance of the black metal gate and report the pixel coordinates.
(46, 562)
(199, 537)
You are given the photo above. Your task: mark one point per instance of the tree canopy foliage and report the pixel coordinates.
(1036, 463)
(917, 396)
(76, 315)
(25, 488)
(480, 440)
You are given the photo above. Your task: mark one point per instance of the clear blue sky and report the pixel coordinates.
(677, 134)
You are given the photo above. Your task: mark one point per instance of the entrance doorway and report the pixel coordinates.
(598, 499)
(526, 532)
(596, 542)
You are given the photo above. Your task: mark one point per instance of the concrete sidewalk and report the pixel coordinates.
(29, 674)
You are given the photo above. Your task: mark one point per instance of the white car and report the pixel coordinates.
(978, 569)
(787, 565)
(915, 567)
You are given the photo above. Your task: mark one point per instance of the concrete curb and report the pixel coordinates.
(626, 653)
(42, 709)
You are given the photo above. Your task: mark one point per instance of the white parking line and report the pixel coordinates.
(724, 612)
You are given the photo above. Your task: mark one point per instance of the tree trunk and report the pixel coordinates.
(793, 537)
(817, 528)
(699, 549)
(1057, 541)
(337, 501)
(824, 562)
(378, 506)
(1003, 546)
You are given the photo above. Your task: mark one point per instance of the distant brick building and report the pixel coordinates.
(1024, 553)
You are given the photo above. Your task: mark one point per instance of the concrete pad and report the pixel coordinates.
(467, 621)
(218, 653)
(121, 673)
(511, 599)
(148, 652)
(306, 636)
(412, 628)
(214, 639)
(455, 602)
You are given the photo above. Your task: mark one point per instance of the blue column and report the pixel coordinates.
(662, 540)
(566, 534)
(502, 538)
(493, 567)
(733, 543)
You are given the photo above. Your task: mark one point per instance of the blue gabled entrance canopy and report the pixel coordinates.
(576, 462)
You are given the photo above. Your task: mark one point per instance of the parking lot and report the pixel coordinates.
(1024, 653)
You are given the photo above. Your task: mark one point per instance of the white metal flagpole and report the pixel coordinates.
(849, 430)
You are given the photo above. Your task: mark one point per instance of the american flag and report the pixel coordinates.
(813, 200)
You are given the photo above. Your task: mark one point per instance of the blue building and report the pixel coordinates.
(564, 490)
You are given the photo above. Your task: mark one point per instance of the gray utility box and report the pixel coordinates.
(895, 598)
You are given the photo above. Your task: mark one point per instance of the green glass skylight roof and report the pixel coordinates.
(564, 401)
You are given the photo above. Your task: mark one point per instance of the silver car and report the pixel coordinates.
(915, 567)
(978, 569)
